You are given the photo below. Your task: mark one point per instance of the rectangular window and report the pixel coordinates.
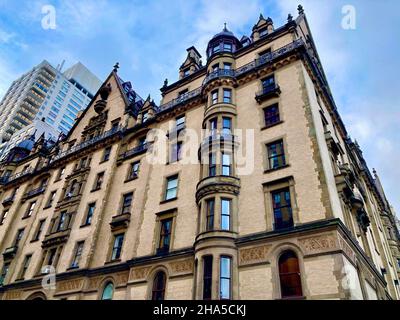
(276, 155)
(216, 49)
(271, 115)
(4, 272)
(210, 207)
(89, 214)
(186, 72)
(213, 126)
(227, 95)
(39, 230)
(61, 223)
(165, 235)
(107, 153)
(212, 164)
(215, 67)
(99, 181)
(3, 216)
(225, 214)
(225, 278)
(134, 170)
(226, 164)
(171, 188)
(268, 83)
(176, 153)
(127, 203)
(25, 266)
(214, 97)
(226, 126)
(61, 173)
(51, 199)
(117, 247)
(207, 277)
(282, 209)
(77, 255)
(18, 237)
(180, 122)
(227, 66)
(52, 257)
(30, 209)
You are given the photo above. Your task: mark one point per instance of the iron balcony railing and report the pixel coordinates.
(35, 192)
(8, 179)
(267, 91)
(263, 60)
(218, 74)
(181, 99)
(8, 200)
(268, 57)
(137, 150)
(88, 143)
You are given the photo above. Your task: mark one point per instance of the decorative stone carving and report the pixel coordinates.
(253, 255)
(347, 249)
(13, 295)
(122, 278)
(184, 266)
(94, 283)
(70, 285)
(139, 273)
(318, 244)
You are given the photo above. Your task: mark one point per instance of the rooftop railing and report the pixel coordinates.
(181, 99)
(88, 143)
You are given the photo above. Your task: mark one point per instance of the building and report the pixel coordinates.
(197, 209)
(45, 93)
(70, 93)
(31, 131)
(23, 99)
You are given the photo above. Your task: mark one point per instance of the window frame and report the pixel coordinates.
(116, 249)
(227, 98)
(290, 222)
(221, 277)
(77, 254)
(268, 122)
(207, 276)
(210, 214)
(167, 189)
(280, 157)
(228, 215)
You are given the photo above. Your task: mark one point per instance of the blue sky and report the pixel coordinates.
(149, 39)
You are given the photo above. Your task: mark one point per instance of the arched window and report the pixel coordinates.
(159, 286)
(108, 291)
(289, 274)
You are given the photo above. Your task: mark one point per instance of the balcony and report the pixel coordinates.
(180, 100)
(33, 193)
(10, 253)
(142, 148)
(8, 200)
(56, 238)
(120, 221)
(214, 184)
(268, 92)
(12, 178)
(88, 143)
(219, 73)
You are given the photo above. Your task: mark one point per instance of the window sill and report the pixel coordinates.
(85, 225)
(94, 190)
(272, 125)
(131, 179)
(276, 169)
(169, 200)
(25, 217)
(103, 161)
(73, 268)
(112, 261)
(47, 207)
(34, 240)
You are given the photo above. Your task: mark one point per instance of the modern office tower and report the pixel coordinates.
(241, 184)
(69, 94)
(45, 93)
(23, 99)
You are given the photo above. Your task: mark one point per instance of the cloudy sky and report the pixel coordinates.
(149, 39)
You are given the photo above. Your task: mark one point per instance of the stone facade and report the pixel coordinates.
(95, 217)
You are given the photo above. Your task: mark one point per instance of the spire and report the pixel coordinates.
(225, 29)
(261, 17)
(289, 18)
(300, 9)
(116, 67)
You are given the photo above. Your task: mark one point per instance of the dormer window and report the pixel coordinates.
(186, 72)
(181, 93)
(145, 116)
(228, 47)
(263, 32)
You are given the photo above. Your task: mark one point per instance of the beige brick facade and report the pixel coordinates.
(99, 228)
